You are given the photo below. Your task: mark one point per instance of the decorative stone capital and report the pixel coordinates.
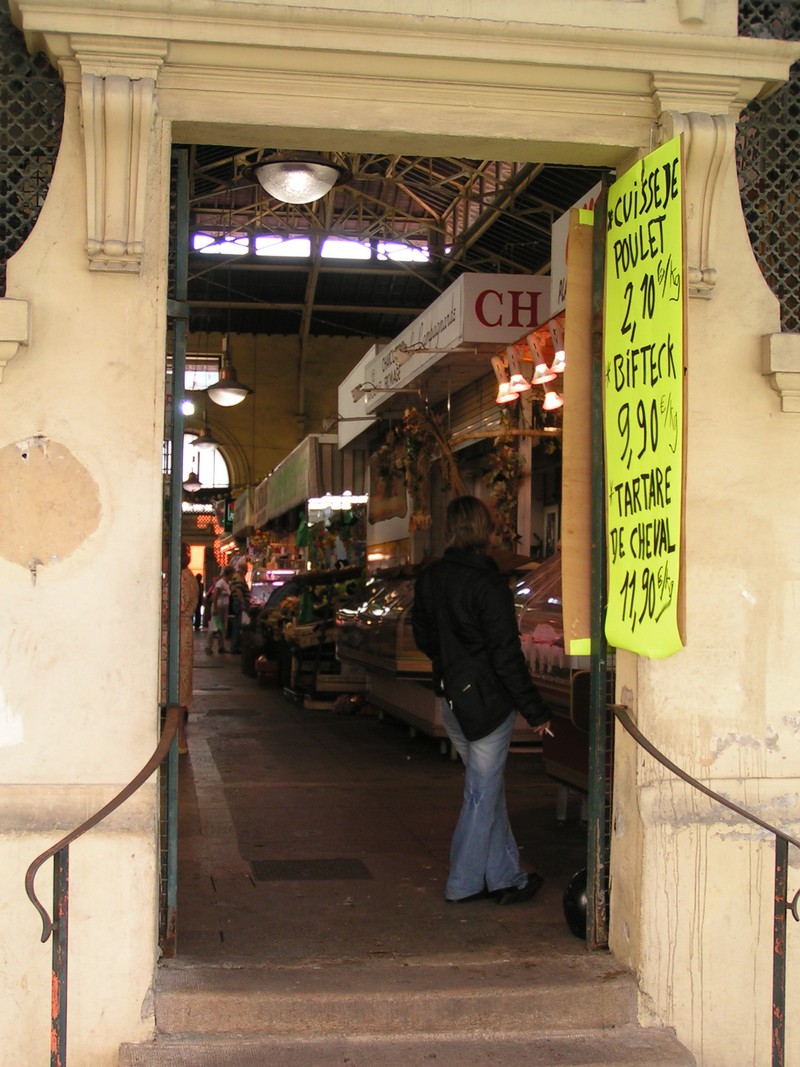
(780, 359)
(15, 329)
(708, 140)
(117, 112)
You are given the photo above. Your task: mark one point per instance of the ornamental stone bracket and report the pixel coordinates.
(117, 114)
(15, 329)
(708, 141)
(780, 359)
(118, 107)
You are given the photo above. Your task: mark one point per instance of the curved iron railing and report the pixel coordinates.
(782, 904)
(58, 923)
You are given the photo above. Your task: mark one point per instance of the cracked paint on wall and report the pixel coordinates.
(51, 502)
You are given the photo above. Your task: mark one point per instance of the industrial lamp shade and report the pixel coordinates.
(559, 364)
(541, 369)
(298, 177)
(517, 380)
(228, 391)
(552, 401)
(192, 483)
(205, 439)
(505, 393)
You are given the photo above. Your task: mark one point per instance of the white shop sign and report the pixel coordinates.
(476, 309)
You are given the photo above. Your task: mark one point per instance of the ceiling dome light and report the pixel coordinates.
(298, 177)
(192, 483)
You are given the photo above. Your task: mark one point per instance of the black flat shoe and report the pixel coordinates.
(483, 895)
(517, 894)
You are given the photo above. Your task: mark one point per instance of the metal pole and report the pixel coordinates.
(58, 992)
(178, 312)
(599, 798)
(779, 953)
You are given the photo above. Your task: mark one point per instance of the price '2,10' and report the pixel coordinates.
(648, 291)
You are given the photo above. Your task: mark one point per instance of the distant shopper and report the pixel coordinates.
(464, 619)
(240, 604)
(218, 627)
(187, 599)
(198, 611)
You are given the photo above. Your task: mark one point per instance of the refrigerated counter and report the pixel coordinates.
(562, 679)
(377, 635)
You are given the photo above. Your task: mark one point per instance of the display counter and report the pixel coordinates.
(377, 635)
(563, 680)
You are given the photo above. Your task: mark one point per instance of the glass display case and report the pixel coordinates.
(377, 632)
(563, 680)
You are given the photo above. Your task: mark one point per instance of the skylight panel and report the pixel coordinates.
(228, 246)
(294, 247)
(343, 248)
(402, 253)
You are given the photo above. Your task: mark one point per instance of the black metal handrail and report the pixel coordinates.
(59, 923)
(782, 904)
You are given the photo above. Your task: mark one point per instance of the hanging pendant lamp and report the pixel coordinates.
(517, 380)
(505, 393)
(228, 391)
(192, 483)
(541, 372)
(205, 439)
(556, 327)
(552, 401)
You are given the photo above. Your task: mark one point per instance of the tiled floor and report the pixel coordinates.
(307, 835)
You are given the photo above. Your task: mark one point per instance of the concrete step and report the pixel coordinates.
(559, 1012)
(586, 991)
(628, 1046)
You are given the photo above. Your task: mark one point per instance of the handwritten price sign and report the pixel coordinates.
(643, 366)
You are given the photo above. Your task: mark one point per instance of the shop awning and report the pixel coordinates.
(314, 468)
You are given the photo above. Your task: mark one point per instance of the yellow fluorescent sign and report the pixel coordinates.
(643, 342)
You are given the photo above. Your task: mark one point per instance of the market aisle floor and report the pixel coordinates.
(311, 836)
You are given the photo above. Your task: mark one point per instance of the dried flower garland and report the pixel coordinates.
(504, 480)
(408, 451)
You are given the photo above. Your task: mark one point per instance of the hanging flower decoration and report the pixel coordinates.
(408, 451)
(504, 480)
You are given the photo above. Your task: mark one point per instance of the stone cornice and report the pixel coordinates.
(230, 35)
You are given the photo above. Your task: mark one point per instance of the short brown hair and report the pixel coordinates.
(469, 524)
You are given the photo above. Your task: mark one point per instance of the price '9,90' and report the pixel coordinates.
(644, 434)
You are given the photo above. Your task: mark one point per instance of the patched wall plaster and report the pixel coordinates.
(52, 502)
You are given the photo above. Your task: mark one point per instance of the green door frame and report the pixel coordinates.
(177, 312)
(600, 783)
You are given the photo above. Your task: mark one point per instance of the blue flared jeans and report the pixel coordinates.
(483, 853)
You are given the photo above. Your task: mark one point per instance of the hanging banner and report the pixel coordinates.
(643, 354)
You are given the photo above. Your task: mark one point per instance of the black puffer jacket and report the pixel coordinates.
(465, 592)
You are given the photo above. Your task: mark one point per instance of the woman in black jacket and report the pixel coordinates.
(464, 619)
